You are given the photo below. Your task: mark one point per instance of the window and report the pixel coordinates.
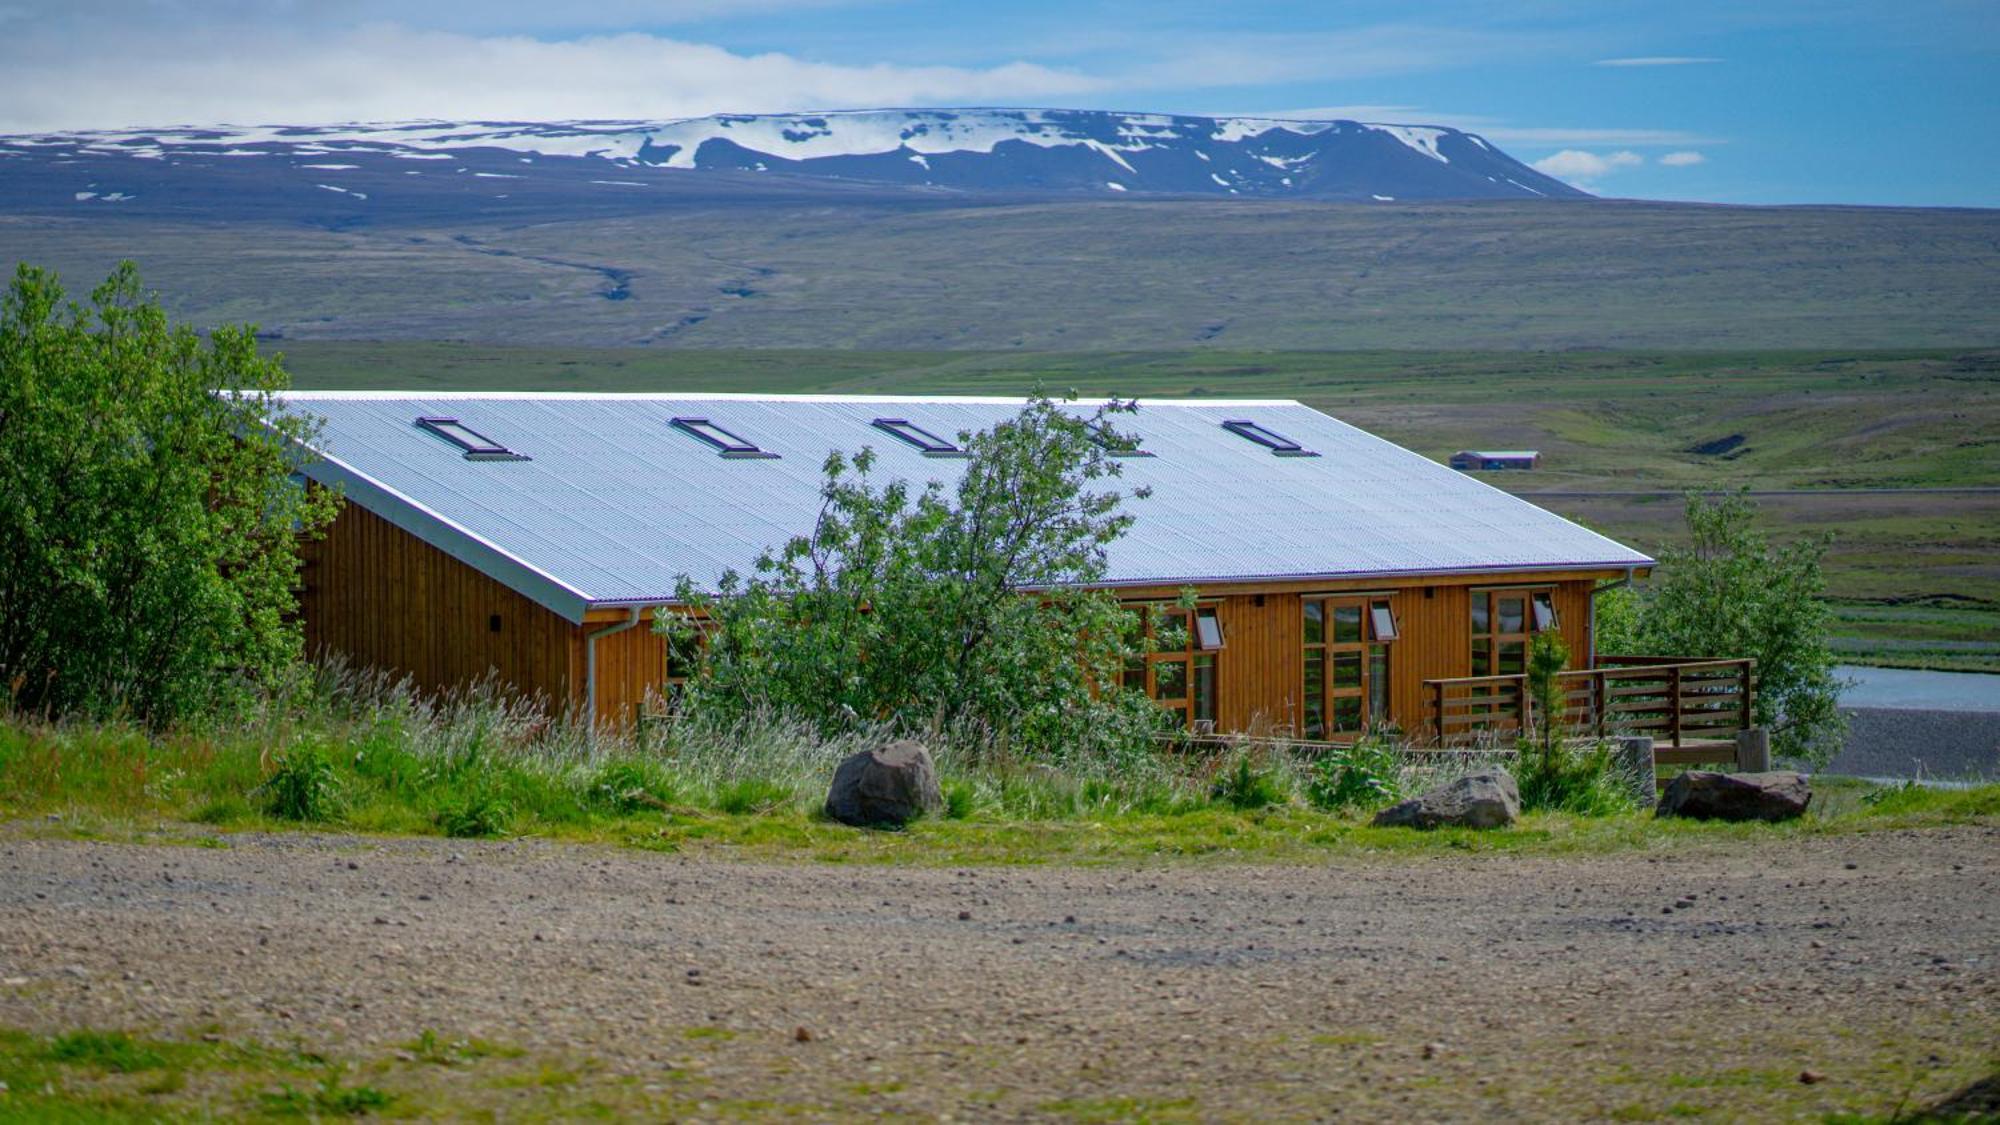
(1545, 610)
(1346, 685)
(930, 443)
(1502, 622)
(722, 439)
(475, 445)
(1180, 674)
(1277, 443)
(1382, 621)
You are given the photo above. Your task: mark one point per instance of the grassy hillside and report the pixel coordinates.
(1083, 275)
(1918, 573)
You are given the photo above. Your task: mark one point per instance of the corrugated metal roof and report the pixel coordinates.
(616, 503)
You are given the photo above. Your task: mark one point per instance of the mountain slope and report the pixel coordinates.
(427, 169)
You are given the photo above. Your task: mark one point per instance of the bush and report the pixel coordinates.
(303, 786)
(1243, 786)
(939, 610)
(149, 523)
(1729, 593)
(1364, 776)
(1562, 778)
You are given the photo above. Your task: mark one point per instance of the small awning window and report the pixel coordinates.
(1383, 620)
(475, 445)
(930, 443)
(722, 439)
(1545, 611)
(1277, 443)
(1207, 630)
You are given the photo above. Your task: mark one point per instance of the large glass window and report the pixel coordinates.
(1502, 623)
(1346, 682)
(1180, 673)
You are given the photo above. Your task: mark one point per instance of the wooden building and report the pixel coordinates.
(1494, 460)
(532, 537)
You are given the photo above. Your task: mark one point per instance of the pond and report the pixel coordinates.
(1912, 689)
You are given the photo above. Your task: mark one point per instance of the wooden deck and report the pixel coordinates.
(1687, 706)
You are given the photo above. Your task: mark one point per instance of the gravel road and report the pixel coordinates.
(1707, 976)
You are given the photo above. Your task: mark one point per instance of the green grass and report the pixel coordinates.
(106, 780)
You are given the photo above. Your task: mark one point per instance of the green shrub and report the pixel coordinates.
(149, 523)
(961, 799)
(477, 812)
(1561, 778)
(1245, 787)
(1364, 776)
(302, 786)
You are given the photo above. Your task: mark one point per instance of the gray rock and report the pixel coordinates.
(885, 788)
(1479, 800)
(1708, 795)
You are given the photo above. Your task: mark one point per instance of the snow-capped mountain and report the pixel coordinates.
(370, 167)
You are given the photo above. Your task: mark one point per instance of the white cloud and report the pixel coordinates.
(1658, 60)
(387, 72)
(1683, 159)
(1576, 164)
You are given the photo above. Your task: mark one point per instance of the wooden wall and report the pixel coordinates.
(389, 600)
(1262, 664)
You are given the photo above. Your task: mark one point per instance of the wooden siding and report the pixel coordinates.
(386, 599)
(1262, 666)
(629, 665)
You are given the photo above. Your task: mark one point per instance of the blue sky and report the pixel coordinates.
(1777, 101)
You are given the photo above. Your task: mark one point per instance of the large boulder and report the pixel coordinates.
(1708, 795)
(1477, 800)
(885, 788)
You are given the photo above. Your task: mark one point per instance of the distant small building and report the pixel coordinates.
(1488, 460)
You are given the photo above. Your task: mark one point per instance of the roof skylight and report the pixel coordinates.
(930, 443)
(1277, 443)
(722, 439)
(475, 445)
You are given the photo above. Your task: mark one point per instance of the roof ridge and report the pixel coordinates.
(308, 395)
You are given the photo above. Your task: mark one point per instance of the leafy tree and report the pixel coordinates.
(1615, 622)
(1730, 593)
(149, 525)
(942, 610)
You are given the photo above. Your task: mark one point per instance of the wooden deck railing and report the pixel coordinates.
(1673, 701)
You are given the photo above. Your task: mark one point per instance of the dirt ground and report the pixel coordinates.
(1704, 979)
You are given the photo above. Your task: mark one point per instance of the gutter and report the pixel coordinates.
(590, 663)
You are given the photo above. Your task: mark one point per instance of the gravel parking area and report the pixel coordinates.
(1643, 984)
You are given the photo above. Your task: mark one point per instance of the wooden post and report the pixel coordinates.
(1753, 750)
(1597, 698)
(1748, 717)
(1523, 708)
(1635, 757)
(1437, 710)
(1674, 704)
